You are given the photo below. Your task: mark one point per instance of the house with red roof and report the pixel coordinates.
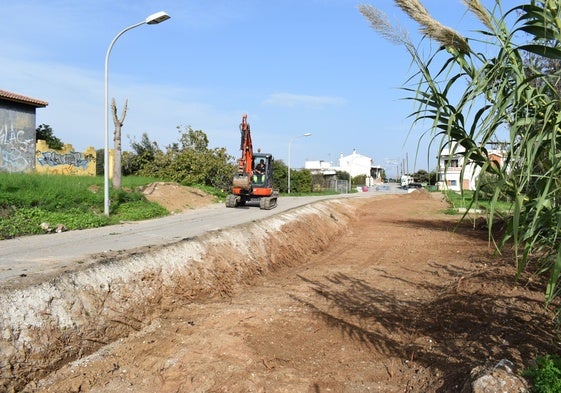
(17, 131)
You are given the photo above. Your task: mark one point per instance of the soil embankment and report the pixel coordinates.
(371, 294)
(50, 323)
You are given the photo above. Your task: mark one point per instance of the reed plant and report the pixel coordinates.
(471, 98)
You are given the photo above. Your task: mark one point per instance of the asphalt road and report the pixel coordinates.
(44, 254)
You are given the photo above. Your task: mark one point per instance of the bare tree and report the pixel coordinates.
(117, 142)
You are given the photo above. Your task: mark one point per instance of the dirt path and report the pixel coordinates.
(400, 304)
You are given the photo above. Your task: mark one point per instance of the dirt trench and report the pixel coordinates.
(45, 326)
(383, 294)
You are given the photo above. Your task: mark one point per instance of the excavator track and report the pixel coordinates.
(232, 200)
(268, 203)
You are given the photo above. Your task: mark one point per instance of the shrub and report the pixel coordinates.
(546, 375)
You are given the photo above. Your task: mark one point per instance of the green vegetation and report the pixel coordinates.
(504, 92)
(546, 375)
(189, 161)
(467, 200)
(33, 204)
(300, 180)
(29, 200)
(472, 97)
(46, 133)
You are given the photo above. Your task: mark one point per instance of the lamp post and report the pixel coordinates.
(289, 144)
(153, 19)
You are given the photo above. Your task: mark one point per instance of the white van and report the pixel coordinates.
(406, 180)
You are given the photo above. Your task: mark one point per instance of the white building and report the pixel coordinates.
(355, 164)
(451, 163)
(320, 166)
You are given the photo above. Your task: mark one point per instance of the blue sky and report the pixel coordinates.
(293, 66)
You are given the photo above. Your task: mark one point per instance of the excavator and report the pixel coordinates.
(253, 181)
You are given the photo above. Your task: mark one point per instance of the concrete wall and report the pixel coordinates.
(65, 161)
(17, 137)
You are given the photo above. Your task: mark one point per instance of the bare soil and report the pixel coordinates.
(404, 302)
(177, 198)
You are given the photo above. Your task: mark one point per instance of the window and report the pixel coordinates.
(452, 163)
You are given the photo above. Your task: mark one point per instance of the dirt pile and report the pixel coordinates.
(374, 294)
(177, 198)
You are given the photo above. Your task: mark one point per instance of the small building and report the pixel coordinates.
(355, 164)
(451, 163)
(320, 166)
(17, 131)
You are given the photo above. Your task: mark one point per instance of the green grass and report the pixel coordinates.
(462, 200)
(219, 194)
(77, 202)
(319, 193)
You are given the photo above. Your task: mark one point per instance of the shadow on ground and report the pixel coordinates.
(450, 332)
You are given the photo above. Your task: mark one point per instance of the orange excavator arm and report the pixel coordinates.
(245, 163)
(242, 181)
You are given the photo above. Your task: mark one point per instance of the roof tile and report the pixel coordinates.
(8, 95)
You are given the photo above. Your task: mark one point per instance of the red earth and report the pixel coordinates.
(405, 301)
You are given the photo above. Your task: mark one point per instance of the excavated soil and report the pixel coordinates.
(398, 301)
(175, 197)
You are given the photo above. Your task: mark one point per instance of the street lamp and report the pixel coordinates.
(290, 143)
(153, 19)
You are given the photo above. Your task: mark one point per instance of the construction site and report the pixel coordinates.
(382, 293)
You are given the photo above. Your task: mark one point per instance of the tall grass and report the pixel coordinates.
(469, 97)
(76, 202)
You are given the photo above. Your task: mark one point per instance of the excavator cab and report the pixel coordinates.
(262, 170)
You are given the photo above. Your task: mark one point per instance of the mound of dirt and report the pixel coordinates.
(177, 198)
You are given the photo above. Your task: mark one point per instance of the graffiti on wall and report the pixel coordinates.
(52, 158)
(17, 150)
(65, 161)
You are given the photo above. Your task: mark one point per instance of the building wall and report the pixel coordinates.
(449, 176)
(17, 137)
(65, 161)
(356, 164)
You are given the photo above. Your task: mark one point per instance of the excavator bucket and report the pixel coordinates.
(242, 181)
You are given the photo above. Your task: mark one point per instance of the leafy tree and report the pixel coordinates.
(143, 154)
(99, 162)
(421, 176)
(45, 133)
(359, 180)
(342, 175)
(383, 174)
(196, 140)
(300, 181)
(319, 182)
(280, 173)
(188, 161)
(491, 93)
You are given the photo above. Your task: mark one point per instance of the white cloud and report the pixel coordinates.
(292, 100)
